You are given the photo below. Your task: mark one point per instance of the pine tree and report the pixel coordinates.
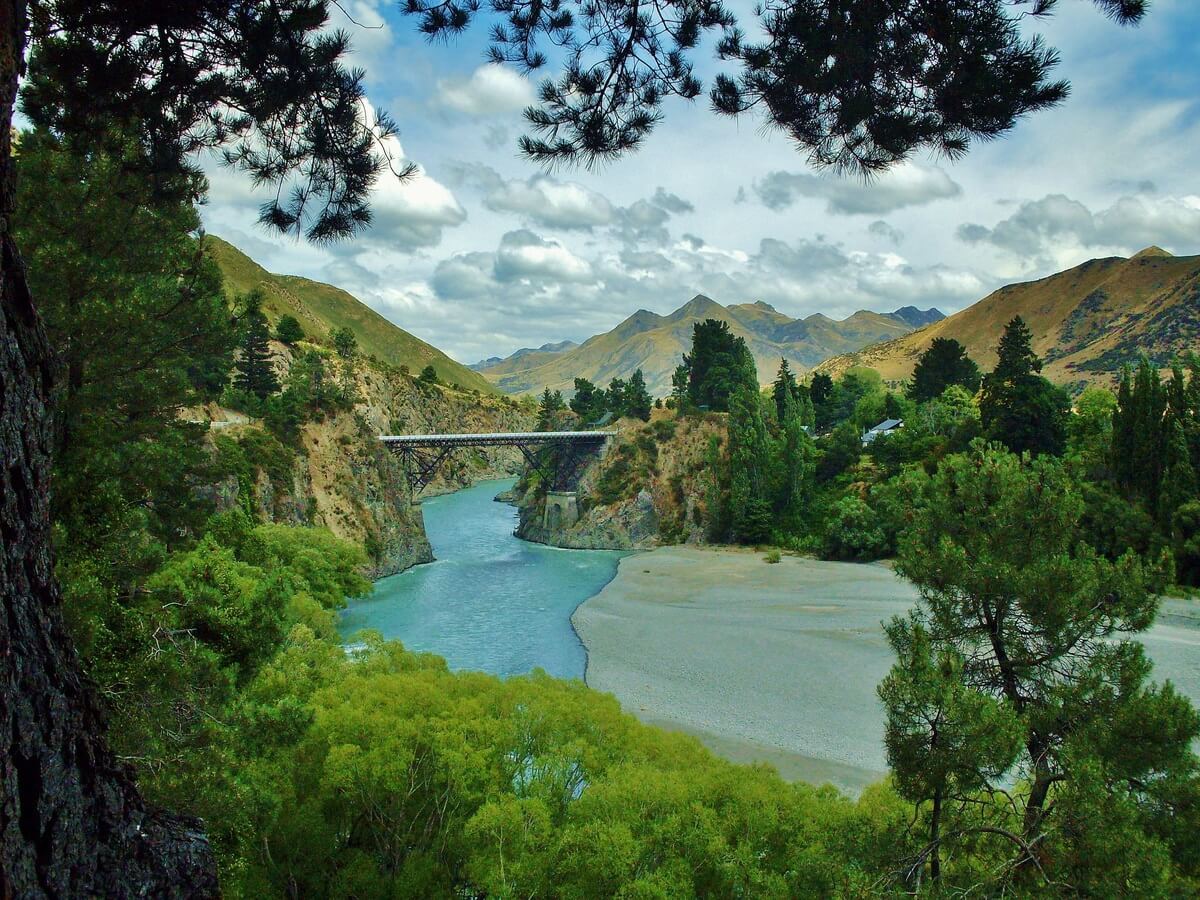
(588, 402)
(944, 363)
(1179, 484)
(1018, 407)
(614, 397)
(820, 389)
(549, 408)
(637, 401)
(784, 389)
(1123, 462)
(254, 372)
(714, 364)
(345, 343)
(288, 330)
(679, 384)
(1140, 435)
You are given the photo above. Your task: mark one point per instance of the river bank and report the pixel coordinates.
(777, 663)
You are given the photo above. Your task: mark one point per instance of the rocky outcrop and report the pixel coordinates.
(649, 489)
(629, 525)
(339, 476)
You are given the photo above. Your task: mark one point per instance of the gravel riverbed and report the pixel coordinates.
(778, 663)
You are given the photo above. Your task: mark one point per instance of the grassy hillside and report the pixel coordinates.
(322, 307)
(656, 344)
(1087, 321)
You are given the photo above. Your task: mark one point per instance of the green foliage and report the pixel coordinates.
(637, 400)
(751, 466)
(773, 556)
(255, 372)
(630, 399)
(819, 388)
(858, 397)
(550, 410)
(664, 430)
(1089, 434)
(943, 364)
(716, 365)
(429, 376)
(798, 458)
(288, 330)
(345, 344)
(1018, 407)
(1034, 618)
(1186, 528)
(853, 532)
(839, 451)
(387, 775)
(184, 639)
(588, 402)
(784, 389)
(140, 329)
(946, 742)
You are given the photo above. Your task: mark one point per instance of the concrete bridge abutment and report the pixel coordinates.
(561, 510)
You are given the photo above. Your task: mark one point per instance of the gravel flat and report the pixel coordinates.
(777, 663)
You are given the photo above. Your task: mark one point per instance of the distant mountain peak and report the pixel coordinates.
(917, 318)
(763, 304)
(1151, 251)
(697, 307)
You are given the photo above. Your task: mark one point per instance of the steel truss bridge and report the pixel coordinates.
(558, 455)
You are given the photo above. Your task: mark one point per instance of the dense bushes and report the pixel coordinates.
(384, 775)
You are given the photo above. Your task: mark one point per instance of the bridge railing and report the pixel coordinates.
(505, 438)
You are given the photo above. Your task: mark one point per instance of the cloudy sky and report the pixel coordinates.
(483, 253)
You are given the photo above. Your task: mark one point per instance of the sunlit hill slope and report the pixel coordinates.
(321, 307)
(1086, 322)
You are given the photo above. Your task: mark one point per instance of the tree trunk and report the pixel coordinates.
(72, 823)
(935, 836)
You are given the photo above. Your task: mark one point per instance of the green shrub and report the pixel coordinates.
(853, 532)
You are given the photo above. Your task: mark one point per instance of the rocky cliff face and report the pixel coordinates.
(339, 476)
(650, 488)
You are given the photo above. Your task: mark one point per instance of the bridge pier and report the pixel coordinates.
(561, 511)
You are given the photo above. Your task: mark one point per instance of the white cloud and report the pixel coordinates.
(1044, 229)
(523, 256)
(490, 90)
(906, 185)
(552, 203)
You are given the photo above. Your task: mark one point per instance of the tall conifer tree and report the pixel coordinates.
(784, 389)
(1018, 407)
(255, 374)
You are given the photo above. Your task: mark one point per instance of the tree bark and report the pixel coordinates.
(72, 823)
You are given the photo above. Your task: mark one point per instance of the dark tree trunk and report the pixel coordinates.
(72, 823)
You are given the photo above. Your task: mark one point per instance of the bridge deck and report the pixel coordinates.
(510, 438)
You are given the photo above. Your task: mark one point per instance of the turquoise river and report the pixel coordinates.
(491, 601)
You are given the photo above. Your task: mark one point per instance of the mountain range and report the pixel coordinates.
(320, 308)
(1086, 321)
(655, 344)
(523, 353)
